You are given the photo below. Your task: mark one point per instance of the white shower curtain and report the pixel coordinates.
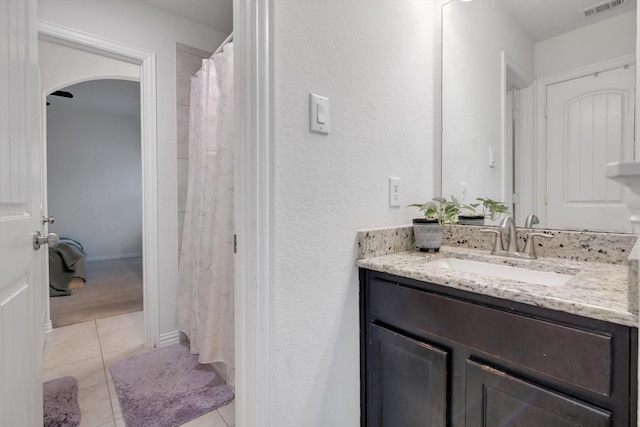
(205, 287)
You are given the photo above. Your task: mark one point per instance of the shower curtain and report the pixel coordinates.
(205, 287)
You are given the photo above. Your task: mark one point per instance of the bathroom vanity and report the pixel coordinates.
(450, 348)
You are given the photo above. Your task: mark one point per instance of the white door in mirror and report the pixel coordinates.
(589, 124)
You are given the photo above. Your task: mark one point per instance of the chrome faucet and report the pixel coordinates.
(512, 239)
(508, 226)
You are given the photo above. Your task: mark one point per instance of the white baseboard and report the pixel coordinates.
(169, 338)
(112, 257)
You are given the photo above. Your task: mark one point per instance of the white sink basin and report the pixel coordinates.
(546, 278)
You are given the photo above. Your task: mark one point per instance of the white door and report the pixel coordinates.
(589, 124)
(20, 186)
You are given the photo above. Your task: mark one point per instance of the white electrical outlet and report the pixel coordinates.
(394, 192)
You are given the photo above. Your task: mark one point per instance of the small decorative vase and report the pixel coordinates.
(427, 234)
(470, 220)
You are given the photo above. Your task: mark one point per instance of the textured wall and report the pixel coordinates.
(374, 61)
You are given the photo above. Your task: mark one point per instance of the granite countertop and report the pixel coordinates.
(598, 290)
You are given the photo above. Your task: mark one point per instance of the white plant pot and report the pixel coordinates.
(427, 234)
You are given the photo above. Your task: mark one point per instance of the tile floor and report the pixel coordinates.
(86, 350)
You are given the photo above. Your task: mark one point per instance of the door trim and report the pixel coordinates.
(511, 74)
(147, 62)
(254, 216)
(540, 158)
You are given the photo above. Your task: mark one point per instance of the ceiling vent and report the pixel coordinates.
(602, 7)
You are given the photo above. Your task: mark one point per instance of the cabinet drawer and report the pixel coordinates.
(574, 356)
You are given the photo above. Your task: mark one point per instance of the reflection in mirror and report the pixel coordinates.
(536, 99)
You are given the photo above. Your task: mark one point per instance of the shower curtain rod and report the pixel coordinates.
(229, 39)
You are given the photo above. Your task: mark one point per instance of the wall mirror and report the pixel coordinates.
(537, 97)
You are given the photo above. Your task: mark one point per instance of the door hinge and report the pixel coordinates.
(235, 243)
(545, 111)
(546, 198)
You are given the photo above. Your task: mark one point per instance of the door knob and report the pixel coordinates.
(51, 239)
(49, 220)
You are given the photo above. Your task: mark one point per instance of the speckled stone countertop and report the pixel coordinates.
(598, 290)
(611, 248)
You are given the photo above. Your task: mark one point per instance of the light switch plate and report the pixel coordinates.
(319, 117)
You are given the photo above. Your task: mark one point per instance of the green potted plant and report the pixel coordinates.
(475, 213)
(427, 231)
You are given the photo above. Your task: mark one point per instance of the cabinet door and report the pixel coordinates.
(496, 399)
(407, 381)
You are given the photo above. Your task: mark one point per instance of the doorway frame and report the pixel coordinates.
(146, 60)
(254, 213)
(540, 158)
(512, 74)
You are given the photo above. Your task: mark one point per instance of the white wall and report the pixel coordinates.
(474, 36)
(145, 27)
(374, 61)
(95, 180)
(55, 72)
(608, 39)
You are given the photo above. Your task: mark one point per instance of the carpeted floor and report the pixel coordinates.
(60, 403)
(113, 287)
(167, 387)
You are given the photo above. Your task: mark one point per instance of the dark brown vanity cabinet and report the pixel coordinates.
(437, 356)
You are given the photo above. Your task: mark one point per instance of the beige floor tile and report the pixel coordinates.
(95, 406)
(120, 340)
(88, 372)
(228, 413)
(115, 403)
(71, 333)
(210, 419)
(123, 321)
(70, 352)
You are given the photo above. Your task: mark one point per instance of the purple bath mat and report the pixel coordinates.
(60, 403)
(167, 387)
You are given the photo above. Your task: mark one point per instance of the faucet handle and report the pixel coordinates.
(531, 220)
(497, 244)
(529, 246)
